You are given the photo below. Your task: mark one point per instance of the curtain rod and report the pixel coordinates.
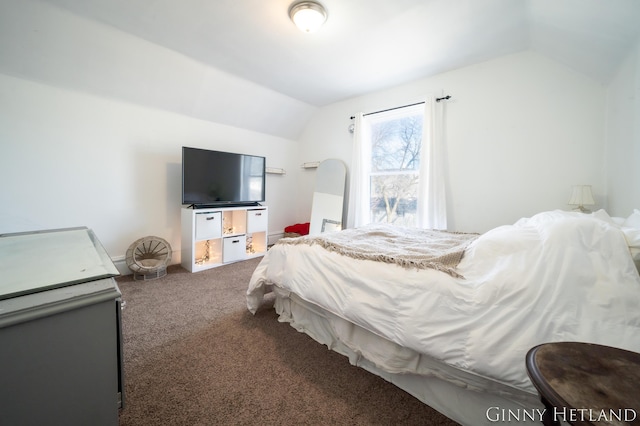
(403, 106)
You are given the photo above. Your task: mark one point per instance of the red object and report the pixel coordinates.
(298, 228)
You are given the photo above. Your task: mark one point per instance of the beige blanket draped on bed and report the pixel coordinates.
(407, 247)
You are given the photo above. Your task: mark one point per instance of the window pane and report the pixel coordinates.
(395, 144)
(394, 198)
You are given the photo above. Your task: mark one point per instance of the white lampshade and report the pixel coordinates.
(581, 196)
(308, 15)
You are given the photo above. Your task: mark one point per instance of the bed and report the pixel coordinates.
(452, 325)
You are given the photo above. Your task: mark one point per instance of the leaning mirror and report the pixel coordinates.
(328, 197)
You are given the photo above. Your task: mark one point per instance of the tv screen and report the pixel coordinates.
(213, 178)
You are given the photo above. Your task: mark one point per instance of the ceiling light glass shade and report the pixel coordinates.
(308, 15)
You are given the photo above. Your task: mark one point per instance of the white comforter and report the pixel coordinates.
(557, 276)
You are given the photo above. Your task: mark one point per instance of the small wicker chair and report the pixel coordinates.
(148, 258)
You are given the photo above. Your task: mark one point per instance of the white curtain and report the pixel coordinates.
(432, 201)
(358, 213)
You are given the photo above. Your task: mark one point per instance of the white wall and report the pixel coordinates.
(623, 138)
(92, 121)
(520, 131)
(44, 43)
(71, 159)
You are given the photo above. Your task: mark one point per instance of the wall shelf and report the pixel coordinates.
(275, 171)
(310, 165)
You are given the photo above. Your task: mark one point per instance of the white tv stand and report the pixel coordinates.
(215, 236)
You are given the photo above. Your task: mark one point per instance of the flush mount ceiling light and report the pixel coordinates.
(308, 15)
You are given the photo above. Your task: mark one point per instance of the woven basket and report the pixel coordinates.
(148, 258)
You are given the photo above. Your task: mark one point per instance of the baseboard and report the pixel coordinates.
(273, 238)
(121, 264)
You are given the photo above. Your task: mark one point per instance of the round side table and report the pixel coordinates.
(586, 384)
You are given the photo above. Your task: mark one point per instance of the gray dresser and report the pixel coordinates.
(60, 330)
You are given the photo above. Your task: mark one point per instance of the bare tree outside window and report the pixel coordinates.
(395, 168)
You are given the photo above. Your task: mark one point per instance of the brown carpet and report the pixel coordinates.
(194, 355)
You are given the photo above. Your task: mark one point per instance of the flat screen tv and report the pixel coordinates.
(216, 178)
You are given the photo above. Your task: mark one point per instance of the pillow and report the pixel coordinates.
(603, 215)
(618, 220)
(633, 221)
(631, 230)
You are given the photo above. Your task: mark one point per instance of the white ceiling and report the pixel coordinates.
(368, 45)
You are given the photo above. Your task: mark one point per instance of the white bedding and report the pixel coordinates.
(558, 276)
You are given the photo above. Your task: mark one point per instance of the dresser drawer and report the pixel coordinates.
(234, 248)
(256, 220)
(208, 225)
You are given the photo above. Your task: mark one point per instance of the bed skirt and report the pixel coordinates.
(462, 396)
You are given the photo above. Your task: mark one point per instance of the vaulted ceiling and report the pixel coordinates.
(368, 45)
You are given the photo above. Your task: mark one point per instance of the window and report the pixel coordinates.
(395, 143)
(398, 170)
